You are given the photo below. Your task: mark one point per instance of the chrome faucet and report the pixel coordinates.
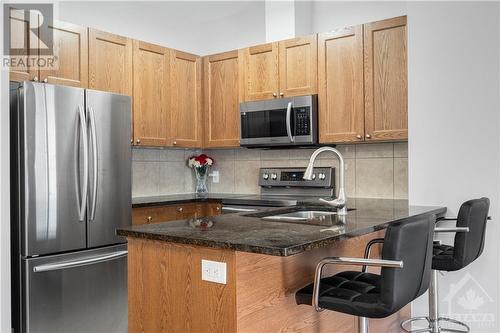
(340, 203)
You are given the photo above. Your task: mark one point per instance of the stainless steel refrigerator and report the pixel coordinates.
(71, 189)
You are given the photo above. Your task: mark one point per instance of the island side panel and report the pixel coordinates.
(167, 294)
(266, 286)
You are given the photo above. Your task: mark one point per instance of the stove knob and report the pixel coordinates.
(322, 176)
(265, 176)
(274, 176)
(313, 176)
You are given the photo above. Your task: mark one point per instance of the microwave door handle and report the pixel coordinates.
(288, 122)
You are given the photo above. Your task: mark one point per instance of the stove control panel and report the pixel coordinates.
(293, 177)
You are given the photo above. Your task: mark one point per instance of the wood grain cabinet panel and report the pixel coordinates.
(298, 66)
(185, 78)
(70, 43)
(261, 74)
(340, 68)
(151, 94)
(166, 213)
(222, 98)
(386, 88)
(213, 209)
(23, 46)
(110, 62)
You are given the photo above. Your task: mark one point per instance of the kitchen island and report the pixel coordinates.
(266, 262)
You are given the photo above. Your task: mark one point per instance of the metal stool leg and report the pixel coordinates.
(434, 320)
(362, 325)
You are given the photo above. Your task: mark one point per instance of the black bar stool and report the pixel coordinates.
(406, 266)
(468, 246)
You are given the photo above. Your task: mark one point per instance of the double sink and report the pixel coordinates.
(304, 214)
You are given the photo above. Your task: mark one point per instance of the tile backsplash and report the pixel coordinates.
(377, 170)
(161, 171)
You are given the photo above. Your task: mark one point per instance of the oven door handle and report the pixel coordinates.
(234, 209)
(288, 122)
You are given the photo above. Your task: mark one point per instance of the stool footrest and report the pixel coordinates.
(434, 326)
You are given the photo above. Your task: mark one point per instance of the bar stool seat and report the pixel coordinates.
(355, 293)
(405, 270)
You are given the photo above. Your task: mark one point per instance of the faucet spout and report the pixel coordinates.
(340, 202)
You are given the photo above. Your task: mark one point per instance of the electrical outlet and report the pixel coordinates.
(213, 271)
(215, 176)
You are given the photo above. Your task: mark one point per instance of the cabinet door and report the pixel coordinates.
(340, 67)
(110, 62)
(222, 98)
(23, 46)
(261, 72)
(298, 66)
(71, 50)
(151, 94)
(386, 90)
(185, 78)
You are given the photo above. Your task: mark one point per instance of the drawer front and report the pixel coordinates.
(156, 214)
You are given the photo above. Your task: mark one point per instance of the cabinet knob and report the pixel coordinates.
(368, 136)
(217, 208)
(180, 209)
(138, 141)
(281, 94)
(149, 219)
(275, 95)
(359, 136)
(131, 140)
(35, 79)
(45, 80)
(175, 142)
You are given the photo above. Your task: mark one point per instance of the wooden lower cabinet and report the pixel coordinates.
(166, 292)
(165, 213)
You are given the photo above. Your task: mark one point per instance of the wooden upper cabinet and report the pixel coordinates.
(185, 78)
(23, 46)
(298, 61)
(386, 88)
(110, 62)
(222, 97)
(151, 94)
(340, 68)
(261, 74)
(70, 43)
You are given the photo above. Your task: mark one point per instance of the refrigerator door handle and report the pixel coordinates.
(95, 162)
(77, 263)
(83, 126)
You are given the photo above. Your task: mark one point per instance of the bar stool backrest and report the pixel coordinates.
(409, 241)
(469, 245)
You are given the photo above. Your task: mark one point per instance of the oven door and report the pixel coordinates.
(279, 122)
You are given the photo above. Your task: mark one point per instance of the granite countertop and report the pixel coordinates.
(180, 198)
(249, 233)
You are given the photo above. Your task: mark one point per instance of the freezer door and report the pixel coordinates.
(84, 291)
(110, 193)
(51, 129)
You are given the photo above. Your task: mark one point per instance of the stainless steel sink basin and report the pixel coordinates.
(303, 215)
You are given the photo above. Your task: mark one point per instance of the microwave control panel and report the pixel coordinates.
(302, 121)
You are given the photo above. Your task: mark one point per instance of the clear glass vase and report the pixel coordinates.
(201, 180)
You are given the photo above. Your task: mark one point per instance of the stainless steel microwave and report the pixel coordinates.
(291, 121)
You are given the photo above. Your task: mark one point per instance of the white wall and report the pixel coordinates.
(454, 128)
(328, 15)
(200, 27)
